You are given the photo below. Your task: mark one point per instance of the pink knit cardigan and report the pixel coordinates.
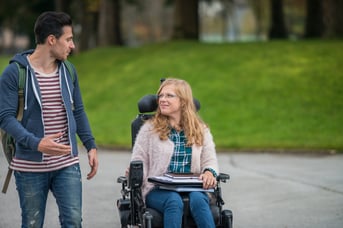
(156, 154)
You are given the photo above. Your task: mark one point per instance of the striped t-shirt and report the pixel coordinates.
(54, 121)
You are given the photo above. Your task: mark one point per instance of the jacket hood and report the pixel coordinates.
(21, 58)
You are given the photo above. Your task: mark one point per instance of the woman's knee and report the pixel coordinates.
(174, 201)
(198, 199)
(162, 200)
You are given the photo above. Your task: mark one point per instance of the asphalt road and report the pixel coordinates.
(265, 190)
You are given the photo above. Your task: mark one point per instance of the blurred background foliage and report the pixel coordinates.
(137, 22)
(268, 73)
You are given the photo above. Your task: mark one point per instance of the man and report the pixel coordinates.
(46, 156)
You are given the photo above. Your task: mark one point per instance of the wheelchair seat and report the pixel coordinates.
(131, 207)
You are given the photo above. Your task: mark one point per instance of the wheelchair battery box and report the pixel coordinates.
(136, 174)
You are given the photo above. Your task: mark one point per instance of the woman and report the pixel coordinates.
(177, 140)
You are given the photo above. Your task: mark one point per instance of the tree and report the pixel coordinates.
(109, 32)
(90, 11)
(186, 19)
(63, 5)
(260, 9)
(314, 19)
(333, 18)
(278, 27)
(19, 17)
(118, 37)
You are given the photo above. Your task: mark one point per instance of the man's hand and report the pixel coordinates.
(93, 163)
(48, 145)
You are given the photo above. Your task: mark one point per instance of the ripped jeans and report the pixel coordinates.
(66, 186)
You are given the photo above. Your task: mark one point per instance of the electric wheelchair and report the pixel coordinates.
(131, 207)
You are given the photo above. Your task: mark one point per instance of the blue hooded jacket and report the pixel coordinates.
(30, 131)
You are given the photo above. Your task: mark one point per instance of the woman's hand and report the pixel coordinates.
(208, 180)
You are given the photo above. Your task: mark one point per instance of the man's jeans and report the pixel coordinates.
(66, 186)
(170, 204)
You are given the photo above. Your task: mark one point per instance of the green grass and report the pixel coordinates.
(273, 95)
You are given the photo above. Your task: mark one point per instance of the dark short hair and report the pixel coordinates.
(50, 23)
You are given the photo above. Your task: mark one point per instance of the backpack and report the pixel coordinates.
(8, 142)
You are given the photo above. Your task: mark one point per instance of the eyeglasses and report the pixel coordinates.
(167, 96)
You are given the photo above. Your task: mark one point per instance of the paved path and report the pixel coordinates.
(265, 190)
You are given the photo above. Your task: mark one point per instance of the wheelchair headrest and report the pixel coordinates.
(148, 103)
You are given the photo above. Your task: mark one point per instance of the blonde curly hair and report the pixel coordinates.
(190, 122)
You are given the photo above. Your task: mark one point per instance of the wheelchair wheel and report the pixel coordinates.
(227, 219)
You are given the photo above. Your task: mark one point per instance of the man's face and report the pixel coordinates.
(64, 45)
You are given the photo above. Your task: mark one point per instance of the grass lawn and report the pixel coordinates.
(272, 95)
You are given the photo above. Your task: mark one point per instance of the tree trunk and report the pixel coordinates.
(333, 18)
(62, 5)
(186, 20)
(88, 24)
(314, 19)
(105, 25)
(109, 29)
(278, 27)
(260, 8)
(118, 38)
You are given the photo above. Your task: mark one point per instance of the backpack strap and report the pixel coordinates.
(70, 69)
(20, 110)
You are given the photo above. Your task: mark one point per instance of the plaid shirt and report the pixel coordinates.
(182, 156)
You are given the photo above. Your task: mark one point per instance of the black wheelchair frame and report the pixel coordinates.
(131, 207)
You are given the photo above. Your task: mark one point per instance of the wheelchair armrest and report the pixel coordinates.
(122, 180)
(124, 188)
(223, 177)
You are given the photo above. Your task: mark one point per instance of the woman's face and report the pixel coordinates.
(169, 103)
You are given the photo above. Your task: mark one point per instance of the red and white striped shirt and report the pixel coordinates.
(54, 120)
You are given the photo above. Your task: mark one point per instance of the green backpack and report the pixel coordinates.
(8, 142)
